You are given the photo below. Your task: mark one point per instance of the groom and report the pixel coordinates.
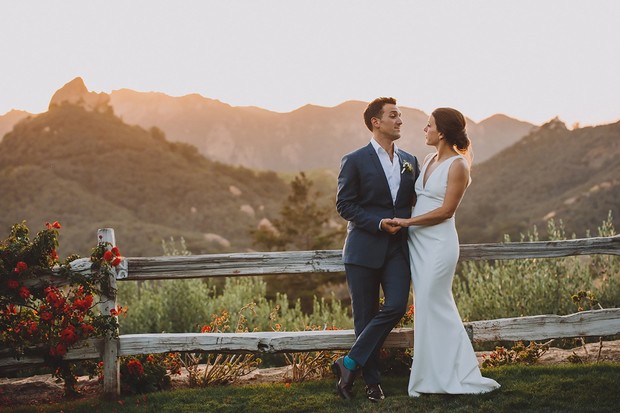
(375, 183)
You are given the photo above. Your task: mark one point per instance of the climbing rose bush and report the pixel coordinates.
(38, 316)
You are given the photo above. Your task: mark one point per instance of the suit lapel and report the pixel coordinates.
(404, 177)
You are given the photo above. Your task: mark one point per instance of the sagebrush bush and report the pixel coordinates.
(186, 305)
(486, 290)
(482, 290)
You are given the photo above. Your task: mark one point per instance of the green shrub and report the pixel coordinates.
(511, 288)
(186, 305)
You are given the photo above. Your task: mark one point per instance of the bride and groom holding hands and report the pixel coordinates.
(390, 246)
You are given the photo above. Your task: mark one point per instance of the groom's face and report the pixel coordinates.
(390, 121)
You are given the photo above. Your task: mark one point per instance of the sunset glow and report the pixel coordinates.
(532, 60)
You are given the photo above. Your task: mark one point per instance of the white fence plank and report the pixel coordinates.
(297, 262)
(604, 322)
(596, 323)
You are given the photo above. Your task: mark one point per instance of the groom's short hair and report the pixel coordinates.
(375, 110)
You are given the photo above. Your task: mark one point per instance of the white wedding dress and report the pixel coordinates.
(443, 357)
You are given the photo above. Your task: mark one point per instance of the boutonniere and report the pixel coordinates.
(407, 167)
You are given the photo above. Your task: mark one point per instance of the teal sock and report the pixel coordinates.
(349, 363)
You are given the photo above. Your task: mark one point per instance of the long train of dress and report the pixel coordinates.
(443, 357)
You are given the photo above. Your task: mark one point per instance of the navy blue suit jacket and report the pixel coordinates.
(364, 199)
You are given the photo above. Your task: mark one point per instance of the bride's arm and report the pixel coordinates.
(458, 180)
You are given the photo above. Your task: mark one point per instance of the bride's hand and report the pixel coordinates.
(394, 222)
(401, 222)
(389, 226)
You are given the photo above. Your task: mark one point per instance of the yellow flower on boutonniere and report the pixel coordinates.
(407, 167)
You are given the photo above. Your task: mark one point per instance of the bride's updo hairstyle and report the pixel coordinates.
(451, 124)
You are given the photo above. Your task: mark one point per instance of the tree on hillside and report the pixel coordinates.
(303, 224)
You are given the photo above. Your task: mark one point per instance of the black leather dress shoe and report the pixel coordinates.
(345, 377)
(374, 392)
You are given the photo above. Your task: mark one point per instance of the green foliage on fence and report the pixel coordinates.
(486, 290)
(186, 305)
(483, 290)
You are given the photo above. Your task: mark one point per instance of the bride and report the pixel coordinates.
(443, 357)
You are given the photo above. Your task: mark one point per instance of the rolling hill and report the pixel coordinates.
(88, 170)
(572, 175)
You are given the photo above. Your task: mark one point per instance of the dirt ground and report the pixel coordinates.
(44, 390)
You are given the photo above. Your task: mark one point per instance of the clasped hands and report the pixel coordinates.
(392, 225)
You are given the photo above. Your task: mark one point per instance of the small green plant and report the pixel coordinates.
(585, 299)
(309, 365)
(145, 373)
(217, 368)
(518, 354)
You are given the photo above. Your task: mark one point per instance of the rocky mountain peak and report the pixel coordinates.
(76, 93)
(555, 123)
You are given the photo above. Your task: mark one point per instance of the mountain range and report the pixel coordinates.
(88, 164)
(311, 137)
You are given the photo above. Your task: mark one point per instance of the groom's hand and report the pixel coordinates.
(389, 226)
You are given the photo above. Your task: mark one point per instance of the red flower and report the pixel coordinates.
(47, 316)
(68, 335)
(83, 304)
(87, 329)
(108, 256)
(10, 310)
(411, 310)
(50, 295)
(12, 284)
(24, 292)
(60, 303)
(115, 312)
(206, 329)
(56, 225)
(150, 359)
(116, 251)
(59, 350)
(21, 266)
(135, 368)
(54, 255)
(33, 327)
(116, 261)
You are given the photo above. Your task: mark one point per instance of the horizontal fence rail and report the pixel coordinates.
(299, 262)
(592, 323)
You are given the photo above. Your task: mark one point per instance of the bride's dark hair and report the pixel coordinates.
(451, 124)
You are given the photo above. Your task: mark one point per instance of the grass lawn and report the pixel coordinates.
(550, 388)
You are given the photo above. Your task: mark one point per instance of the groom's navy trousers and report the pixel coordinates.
(373, 322)
(374, 259)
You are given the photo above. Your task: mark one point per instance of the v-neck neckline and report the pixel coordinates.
(426, 177)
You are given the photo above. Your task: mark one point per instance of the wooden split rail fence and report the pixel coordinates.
(541, 327)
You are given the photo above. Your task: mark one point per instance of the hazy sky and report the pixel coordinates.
(529, 59)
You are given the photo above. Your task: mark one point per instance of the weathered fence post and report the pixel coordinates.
(111, 365)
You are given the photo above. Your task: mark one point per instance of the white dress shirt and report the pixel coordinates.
(390, 168)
